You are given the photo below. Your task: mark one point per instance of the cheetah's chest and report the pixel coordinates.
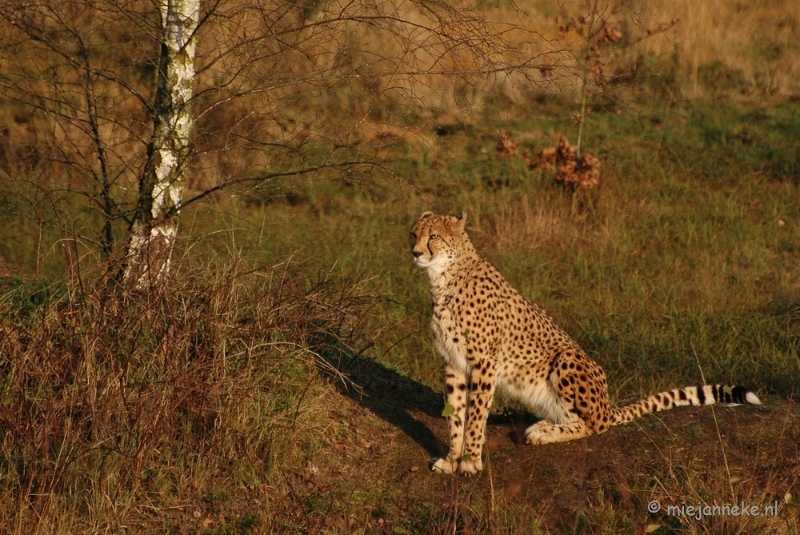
(449, 342)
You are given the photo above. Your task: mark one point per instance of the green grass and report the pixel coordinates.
(686, 254)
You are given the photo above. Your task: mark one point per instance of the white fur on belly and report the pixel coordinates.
(540, 398)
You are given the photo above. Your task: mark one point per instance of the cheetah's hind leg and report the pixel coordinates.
(546, 432)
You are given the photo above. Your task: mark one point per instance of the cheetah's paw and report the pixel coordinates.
(470, 466)
(444, 466)
(465, 466)
(536, 433)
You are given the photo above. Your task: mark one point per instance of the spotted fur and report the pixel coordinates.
(491, 337)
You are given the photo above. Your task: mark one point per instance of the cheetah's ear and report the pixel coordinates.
(425, 214)
(462, 222)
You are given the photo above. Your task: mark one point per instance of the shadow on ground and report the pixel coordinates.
(407, 404)
(398, 400)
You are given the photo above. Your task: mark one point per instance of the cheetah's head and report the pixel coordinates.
(436, 240)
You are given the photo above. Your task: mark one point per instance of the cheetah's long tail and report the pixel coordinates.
(680, 397)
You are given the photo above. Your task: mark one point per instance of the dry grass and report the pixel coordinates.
(698, 49)
(518, 224)
(692, 489)
(740, 46)
(127, 411)
(200, 409)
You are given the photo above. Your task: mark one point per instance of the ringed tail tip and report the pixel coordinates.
(752, 399)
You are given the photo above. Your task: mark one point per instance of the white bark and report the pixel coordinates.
(155, 226)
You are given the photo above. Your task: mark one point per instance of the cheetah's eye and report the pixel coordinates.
(413, 237)
(434, 237)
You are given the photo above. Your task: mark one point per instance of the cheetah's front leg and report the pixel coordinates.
(481, 389)
(470, 398)
(456, 385)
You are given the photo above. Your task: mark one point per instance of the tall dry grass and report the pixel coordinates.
(744, 47)
(127, 412)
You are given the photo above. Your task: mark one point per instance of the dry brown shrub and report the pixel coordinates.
(587, 172)
(583, 171)
(543, 160)
(506, 146)
(611, 34)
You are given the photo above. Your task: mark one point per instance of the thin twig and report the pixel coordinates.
(716, 424)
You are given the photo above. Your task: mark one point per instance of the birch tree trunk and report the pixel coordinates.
(155, 224)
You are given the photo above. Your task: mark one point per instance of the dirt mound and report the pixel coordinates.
(375, 478)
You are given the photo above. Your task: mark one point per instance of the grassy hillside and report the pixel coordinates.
(285, 381)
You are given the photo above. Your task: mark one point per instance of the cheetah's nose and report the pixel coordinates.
(416, 254)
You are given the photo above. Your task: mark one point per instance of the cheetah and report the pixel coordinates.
(493, 338)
